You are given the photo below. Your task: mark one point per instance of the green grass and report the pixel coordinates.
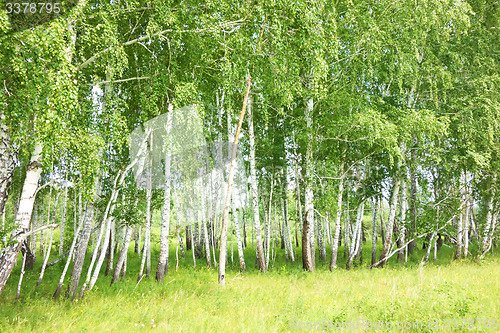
(190, 299)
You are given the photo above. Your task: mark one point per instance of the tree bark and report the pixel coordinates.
(63, 216)
(70, 255)
(84, 238)
(123, 254)
(9, 254)
(374, 230)
(356, 238)
(254, 190)
(8, 161)
(391, 219)
(162, 268)
(46, 258)
(308, 251)
(335, 244)
(402, 228)
(238, 240)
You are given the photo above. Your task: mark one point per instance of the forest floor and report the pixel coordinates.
(443, 293)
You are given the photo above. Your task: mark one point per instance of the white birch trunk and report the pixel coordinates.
(374, 230)
(104, 230)
(254, 190)
(120, 264)
(46, 258)
(63, 216)
(391, 218)
(402, 229)
(225, 218)
(238, 240)
(335, 244)
(9, 254)
(162, 268)
(66, 266)
(308, 250)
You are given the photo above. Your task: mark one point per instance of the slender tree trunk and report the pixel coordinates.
(356, 238)
(286, 229)
(188, 238)
(105, 231)
(402, 229)
(31, 263)
(382, 223)
(225, 219)
(205, 232)
(391, 218)
(466, 211)
(335, 243)
(70, 255)
(238, 240)
(63, 215)
(426, 258)
(413, 199)
(9, 254)
(461, 222)
(254, 191)
(244, 224)
(46, 258)
(268, 223)
(146, 255)
(347, 228)
(123, 255)
(374, 231)
(490, 220)
(308, 252)
(178, 216)
(297, 187)
(18, 293)
(114, 240)
(88, 219)
(162, 268)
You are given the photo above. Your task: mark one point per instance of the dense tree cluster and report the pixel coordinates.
(381, 105)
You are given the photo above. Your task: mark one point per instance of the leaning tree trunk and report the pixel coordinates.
(46, 258)
(9, 254)
(308, 252)
(106, 231)
(84, 238)
(70, 255)
(255, 197)
(123, 254)
(225, 218)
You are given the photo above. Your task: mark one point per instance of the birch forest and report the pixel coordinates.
(249, 165)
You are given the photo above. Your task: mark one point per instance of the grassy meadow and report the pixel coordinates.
(284, 299)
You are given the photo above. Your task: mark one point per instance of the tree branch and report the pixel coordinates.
(140, 39)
